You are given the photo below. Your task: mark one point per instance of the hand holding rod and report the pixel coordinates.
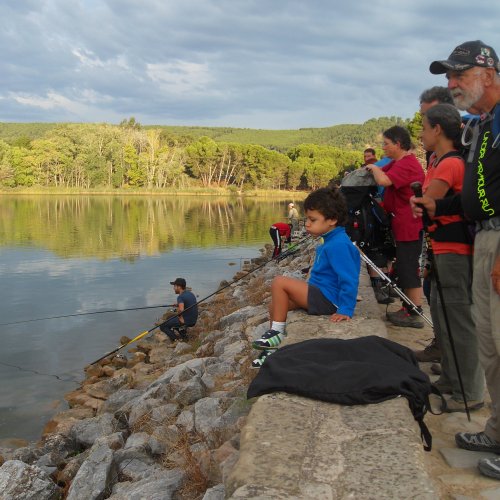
(416, 187)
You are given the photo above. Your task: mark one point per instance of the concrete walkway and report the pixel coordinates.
(299, 448)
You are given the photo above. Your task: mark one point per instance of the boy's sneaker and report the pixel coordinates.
(477, 442)
(270, 340)
(489, 467)
(405, 319)
(258, 362)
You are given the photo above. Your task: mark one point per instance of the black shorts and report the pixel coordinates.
(317, 303)
(407, 263)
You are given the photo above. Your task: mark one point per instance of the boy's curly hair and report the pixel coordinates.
(330, 203)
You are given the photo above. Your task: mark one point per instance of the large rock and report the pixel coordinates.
(62, 422)
(190, 391)
(208, 421)
(119, 398)
(86, 432)
(95, 476)
(141, 412)
(71, 469)
(27, 454)
(135, 464)
(106, 387)
(20, 481)
(59, 445)
(215, 493)
(239, 316)
(164, 413)
(139, 441)
(161, 487)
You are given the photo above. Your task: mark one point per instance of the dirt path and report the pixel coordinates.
(457, 481)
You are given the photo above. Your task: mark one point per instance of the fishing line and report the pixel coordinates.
(89, 313)
(85, 314)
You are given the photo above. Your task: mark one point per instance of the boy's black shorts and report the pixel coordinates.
(317, 303)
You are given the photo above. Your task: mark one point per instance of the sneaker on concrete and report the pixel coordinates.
(477, 442)
(270, 340)
(405, 319)
(432, 353)
(452, 405)
(489, 467)
(395, 314)
(258, 362)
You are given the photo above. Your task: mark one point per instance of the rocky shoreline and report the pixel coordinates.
(163, 421)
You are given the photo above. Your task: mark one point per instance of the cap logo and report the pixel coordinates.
(485, 51)
(461, 67)
(480, 59)
(459, 51)
(490, 62)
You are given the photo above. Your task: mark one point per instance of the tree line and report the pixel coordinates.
(89, 156)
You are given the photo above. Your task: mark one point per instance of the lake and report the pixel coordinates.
(63, 255)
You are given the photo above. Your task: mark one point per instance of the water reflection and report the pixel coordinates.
(128, 227)
(63, 255)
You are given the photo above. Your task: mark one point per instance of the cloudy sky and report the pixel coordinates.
(277, 64)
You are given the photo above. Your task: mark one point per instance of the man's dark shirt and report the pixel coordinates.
(480, 197)
(188, 299)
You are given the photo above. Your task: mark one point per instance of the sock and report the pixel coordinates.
(278, 326)
(415, 313)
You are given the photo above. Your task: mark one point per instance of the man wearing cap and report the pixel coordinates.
(186, 301)
(472, 72)
(293, 217)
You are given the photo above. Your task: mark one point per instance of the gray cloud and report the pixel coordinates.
(246, 63)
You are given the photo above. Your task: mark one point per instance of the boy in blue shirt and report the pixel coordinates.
(333, 284)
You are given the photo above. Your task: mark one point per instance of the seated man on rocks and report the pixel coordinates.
(187, 305)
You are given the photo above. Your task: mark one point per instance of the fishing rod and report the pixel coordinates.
(417, 191)
(85, 314)
(293, 248)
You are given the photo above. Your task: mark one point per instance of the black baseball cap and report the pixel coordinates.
(466, 56)
(180, 282)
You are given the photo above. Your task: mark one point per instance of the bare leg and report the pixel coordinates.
(287, 294)
(415, 295)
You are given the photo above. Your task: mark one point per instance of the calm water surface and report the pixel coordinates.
(66, 255)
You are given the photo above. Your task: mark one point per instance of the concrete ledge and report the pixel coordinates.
(298, 448)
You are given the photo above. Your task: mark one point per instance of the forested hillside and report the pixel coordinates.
(128, 155)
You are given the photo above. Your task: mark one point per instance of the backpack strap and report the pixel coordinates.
(425, 434)
(449, 154)
(495, 127)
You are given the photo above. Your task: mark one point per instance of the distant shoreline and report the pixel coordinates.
(254, 193)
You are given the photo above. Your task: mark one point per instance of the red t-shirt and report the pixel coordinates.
(451, 171)
(283, 228)
(397, 197)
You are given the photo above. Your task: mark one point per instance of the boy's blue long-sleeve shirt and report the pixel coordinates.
(336, 270)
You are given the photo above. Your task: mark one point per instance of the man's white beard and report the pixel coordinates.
(466, 99)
